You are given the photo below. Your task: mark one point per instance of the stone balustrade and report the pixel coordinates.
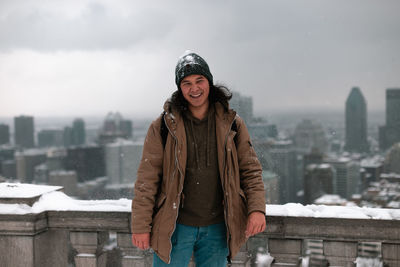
(93, 238)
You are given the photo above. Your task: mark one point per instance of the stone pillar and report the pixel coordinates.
(242, 259)
(16, 251)
(340, 253)
(391, 254)
(89, 248)
(132, 256)
(286, 252)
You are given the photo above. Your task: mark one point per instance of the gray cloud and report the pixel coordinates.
(95, 29)
(286, 54)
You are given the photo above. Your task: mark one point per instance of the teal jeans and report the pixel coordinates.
(206, 243)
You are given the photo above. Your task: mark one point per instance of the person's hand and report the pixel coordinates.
(141, 241)
(255, 223)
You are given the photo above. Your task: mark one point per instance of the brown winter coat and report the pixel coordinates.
(161, 175)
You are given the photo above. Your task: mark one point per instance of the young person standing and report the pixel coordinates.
(199, 186)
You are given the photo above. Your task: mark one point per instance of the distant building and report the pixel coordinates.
(4, 134)
(50, 138)
(87, 161)
(310, 135)
(122, 160)
(271, 186)
(318, 181)
(262, 130)
(26, 161)
(78, 130)
(347, 176)
(68, 136)
(6, 154)
(126, 128)
(56, 159)
(390, 133)
(373, 167)
(314, 157)
(115, 127)
(243, 105)
(24, 131)
(9, 169)
(75, 135)
(392, 160)
(66, 179)
(280, 158)
(356, 122)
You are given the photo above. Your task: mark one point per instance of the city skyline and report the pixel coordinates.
(79, 58)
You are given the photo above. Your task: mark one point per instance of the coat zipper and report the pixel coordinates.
(179, 170)
(223, 187)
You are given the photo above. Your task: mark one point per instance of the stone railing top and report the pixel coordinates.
(17, 193)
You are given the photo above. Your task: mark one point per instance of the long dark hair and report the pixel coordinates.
(218, 93)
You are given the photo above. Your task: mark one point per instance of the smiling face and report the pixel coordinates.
(195, 89)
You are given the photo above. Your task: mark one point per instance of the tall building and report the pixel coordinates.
(78, 132)
(356, 122)
(392, 160)
(75, 135)
(280, 158)
(271, 187)
(87, 161)
(390, 133)
(310, 135)
(6, 155)
(67, 179)
(4, 134)
(347, 176)
(114, 127)
(243, 105)
(26, 161)
(50, 137)
(24, 131)
(262, 130)
(318, 181)
(122, 160)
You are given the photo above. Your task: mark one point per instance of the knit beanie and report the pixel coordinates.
(189, 64)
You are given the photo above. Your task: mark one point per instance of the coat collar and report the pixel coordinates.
(174, 117)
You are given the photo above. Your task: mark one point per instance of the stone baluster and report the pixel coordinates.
(242, 258)
(89, 247)
(340, 253)
(286, 252)
(391, 254)
(131, 255)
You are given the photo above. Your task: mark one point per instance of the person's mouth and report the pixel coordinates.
(196, 95)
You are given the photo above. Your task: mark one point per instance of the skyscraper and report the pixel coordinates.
(122, 160)
(318, 181)
(50, 137)
(78, 128)
(4, 134)
(347, 176)
(356, 122)
(115, 127)
(390, 133)
(310, 135)
(24, 131)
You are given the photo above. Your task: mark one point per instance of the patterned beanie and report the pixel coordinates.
(189, 64)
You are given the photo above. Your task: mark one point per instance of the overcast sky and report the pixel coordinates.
(85, 58)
